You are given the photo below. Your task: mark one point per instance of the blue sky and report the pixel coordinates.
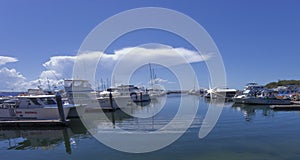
(258, 40)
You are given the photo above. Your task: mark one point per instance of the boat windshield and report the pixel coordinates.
(48, 101)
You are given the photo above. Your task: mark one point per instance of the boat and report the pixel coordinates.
(2, 99)
(288, 92)
(260, 100)
(135, 93)
(156, 91)
(124, 95)
(258, 95)
(80, 92)
(41, 107)
(218, 93)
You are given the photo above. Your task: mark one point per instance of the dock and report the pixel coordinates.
(294, 106)
(33, 123)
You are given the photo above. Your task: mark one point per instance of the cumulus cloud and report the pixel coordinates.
(165, 53)
(58, 67)
(145, 53)
(5, 59)
(45, 83)
(61, 67)
(10, 79)
(158, 81)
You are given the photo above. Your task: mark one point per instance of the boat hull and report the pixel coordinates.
(46, 113)
(261, 101)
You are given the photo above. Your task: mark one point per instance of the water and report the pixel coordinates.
(242, 132)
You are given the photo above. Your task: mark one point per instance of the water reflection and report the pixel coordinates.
(41, 138)
(134, 117)
(250, 111)
(262, 135)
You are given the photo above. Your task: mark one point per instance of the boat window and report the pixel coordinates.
(77, 83)
(68, 83)
(47, 101)
(86, 84)
(34, 101)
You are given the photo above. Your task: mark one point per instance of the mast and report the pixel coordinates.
(151, 76)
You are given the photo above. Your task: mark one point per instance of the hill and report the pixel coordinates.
(282, 83)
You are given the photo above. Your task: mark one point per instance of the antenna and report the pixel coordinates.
(48, 82)
(107, 83)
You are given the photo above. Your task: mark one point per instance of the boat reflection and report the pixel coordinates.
(41, 138)
(219, 102)
(137, 117)
(249, 111)
(124, 117)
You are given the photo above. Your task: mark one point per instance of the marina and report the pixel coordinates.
(149, 80)
(258, 123)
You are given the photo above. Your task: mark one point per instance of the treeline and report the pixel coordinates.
(282, 83)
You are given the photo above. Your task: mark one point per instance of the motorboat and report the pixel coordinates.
(80, 92)
(246, 99)
(258, 95)
(124, 95)
(217, 93)
(135, 93)
(32, 107)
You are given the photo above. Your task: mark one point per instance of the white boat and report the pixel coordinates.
(216, 93)
(80, 92)
(123, 95)
(32, 107)
(242, 99)
(130, 91)
(258, 95)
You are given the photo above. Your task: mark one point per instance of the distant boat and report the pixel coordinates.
(80, 92)
(200, 92)
(218, 93)
(258, 95)
(260, 100)
(32, 107)
(130, 91)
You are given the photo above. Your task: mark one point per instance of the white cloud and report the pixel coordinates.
(138, 54)
(61, 67)
(10, 79)
(158, 81)
(45, 83)
(58, 67)
(5, 59)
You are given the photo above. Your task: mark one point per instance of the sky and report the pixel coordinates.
(259, 41)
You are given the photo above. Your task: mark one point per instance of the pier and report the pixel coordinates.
(294, 106)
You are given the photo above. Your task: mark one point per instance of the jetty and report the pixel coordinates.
(294, 106)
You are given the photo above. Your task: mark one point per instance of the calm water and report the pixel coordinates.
(242, 132)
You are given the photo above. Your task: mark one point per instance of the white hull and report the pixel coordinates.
(44, 113)
(261, 101)
(117, 102)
